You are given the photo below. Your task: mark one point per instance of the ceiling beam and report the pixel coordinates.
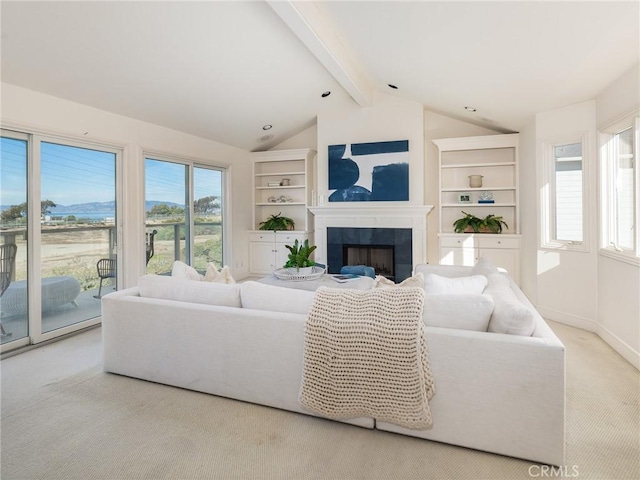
(320, 37)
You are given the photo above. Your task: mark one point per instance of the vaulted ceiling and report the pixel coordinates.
(223, 70)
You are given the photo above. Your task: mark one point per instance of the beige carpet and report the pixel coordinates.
(63, 418)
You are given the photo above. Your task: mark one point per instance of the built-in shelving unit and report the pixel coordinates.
(495, 158)
(282, 184)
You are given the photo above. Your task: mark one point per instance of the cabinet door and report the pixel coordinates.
(282, 254)
(458, 256)
(262, 257)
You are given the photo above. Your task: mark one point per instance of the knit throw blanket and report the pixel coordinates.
(365, 355)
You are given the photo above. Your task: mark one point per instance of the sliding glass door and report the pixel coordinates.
(59, 214)
(14, 322)
(207, 212)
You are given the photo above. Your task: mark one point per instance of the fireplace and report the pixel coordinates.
(380, 257)
(388, 250)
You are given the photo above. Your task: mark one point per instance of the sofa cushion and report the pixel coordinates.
(260, 296)
(484, 267)
(464, 311)
(510, 315)
(218, 276)
(416, 280)
(182, 290)
(470, 284)
(184, 271)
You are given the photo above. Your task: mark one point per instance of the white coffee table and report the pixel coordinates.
(362, 283)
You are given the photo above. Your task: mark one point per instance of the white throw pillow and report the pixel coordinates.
(484, 267)
(184, 290)
(510, 315)
(260, 296)
(383, 282)
(471, 284)
(184, 271)
(464, 311)
(218, 276)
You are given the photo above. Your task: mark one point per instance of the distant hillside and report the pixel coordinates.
(96, 207)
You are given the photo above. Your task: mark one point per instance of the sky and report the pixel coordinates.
(72, 175)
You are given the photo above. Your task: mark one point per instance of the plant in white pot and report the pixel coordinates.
(298, 261)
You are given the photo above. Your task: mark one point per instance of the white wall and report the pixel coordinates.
(618, 281)
(26, 110)
(390, 118)
(440, 126)
(566, 281)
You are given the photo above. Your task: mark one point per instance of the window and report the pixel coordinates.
(620, 190)
(191, 234)
(564, 225)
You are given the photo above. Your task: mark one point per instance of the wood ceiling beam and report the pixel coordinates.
(312, 27)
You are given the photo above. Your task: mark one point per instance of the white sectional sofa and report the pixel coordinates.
(495, 392)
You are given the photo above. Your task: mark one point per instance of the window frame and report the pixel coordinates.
(548, 238)
(608, 201)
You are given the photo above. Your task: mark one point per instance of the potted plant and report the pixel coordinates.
(277, 222)
(298, 260)
(472, 224)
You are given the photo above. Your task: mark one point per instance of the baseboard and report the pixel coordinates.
(568, 319)
(619, 345)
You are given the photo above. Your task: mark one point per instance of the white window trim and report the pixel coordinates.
(547, 230)
(608, 248)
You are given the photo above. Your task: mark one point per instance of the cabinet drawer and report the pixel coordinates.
(493, 242)
(459, 241)
(290, 238)
(262, 237)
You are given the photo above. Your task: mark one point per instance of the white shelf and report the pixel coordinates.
(281, 187)
(482, 189)
(465, 205)
(279, 204)
(278, 174)
(476, 165)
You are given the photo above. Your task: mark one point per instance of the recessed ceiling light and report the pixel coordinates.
(470, 109)
(392, 86)
(267, 127)
(326, 94)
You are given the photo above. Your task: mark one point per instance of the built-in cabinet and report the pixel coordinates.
(282, 184)
(493, 160)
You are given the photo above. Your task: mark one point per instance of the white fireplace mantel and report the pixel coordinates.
(409, 216)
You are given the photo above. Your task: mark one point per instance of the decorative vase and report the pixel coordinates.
(475, 181)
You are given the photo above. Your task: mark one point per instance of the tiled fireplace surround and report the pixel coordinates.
(404, 227)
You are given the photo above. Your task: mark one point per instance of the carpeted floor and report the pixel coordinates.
(63, 418)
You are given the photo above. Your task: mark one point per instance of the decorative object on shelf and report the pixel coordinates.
(362, 172)
(486, 197)
(298, 259)
(472, 224)
(284, 199)
(285, 182)
(277, 222)
(273, 184)
(286, 274)
(271, 199)
(465, 198)
(475, 181)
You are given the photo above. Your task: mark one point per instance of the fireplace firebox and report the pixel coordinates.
(388, 250)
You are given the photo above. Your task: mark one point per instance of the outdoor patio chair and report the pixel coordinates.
(106, 269)
(7, 264)
(149, 242)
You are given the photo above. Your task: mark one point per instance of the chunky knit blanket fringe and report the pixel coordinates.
(365, 355)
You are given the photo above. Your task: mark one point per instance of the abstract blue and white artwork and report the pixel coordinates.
(367, 172)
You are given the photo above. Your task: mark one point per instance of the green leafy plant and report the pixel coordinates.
(299, 255)
(471, 223)
(277, 222)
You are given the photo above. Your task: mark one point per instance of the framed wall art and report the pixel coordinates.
(365, 172)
